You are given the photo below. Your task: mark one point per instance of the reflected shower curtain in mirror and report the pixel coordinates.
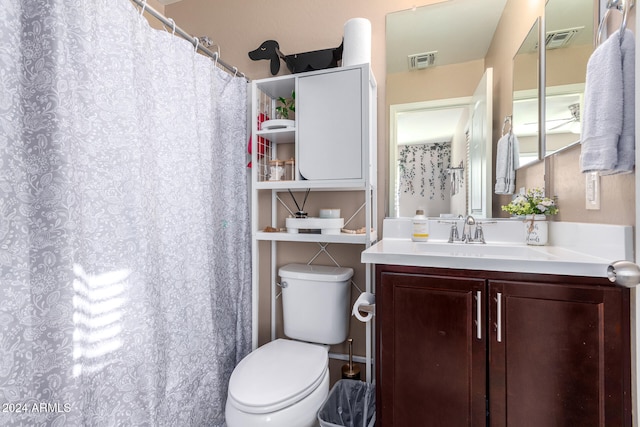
(423, 182)
(125, 279)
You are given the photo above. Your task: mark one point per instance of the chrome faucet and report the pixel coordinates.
(468, 230)
(469, 221)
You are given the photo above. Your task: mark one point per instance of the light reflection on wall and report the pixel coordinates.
(98, 305)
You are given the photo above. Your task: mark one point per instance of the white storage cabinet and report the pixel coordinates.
(332, 142)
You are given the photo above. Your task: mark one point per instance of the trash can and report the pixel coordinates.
(350, 403)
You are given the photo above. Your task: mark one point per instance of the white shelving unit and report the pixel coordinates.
(334, 137)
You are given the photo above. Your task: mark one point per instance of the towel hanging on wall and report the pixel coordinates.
(507, 161)
(608, 133)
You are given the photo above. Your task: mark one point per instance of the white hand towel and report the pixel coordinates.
(603, 109)
(627, 141)
(507, 161)
(515, 146)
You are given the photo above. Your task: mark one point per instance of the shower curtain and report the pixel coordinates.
(125, 279)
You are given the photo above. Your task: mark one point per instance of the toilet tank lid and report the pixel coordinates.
(324, 273)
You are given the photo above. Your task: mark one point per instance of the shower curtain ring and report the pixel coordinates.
(144, 6)
(197, 43)
(173, 26)
(235, 71)
(215, 58)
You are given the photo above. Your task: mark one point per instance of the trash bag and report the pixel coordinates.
(350, 403)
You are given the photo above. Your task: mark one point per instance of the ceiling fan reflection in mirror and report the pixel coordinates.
(574, 111)
(573, 120)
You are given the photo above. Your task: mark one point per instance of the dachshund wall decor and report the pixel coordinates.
(298, 62)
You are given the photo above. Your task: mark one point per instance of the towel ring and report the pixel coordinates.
(620, 5)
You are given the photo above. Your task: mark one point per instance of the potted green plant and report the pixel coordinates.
(288, 105)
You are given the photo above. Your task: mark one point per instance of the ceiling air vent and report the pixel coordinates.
(561, 38)
(419, 61)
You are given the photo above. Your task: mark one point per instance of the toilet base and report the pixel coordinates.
(303, 413)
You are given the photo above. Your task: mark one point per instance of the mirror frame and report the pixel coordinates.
(539, 90)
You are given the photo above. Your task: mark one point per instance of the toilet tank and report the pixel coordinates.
(315, 302)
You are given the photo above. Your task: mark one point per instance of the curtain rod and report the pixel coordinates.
(194, 40)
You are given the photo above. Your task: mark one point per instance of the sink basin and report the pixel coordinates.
(482, 250)
(577, 249)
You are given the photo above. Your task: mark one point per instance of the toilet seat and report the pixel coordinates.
(277, 375)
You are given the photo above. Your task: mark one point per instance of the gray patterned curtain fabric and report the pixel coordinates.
(125, 267)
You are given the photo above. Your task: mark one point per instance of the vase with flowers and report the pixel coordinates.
(534, 207)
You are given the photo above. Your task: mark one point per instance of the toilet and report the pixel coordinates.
(284, 383)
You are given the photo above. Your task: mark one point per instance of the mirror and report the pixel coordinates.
(570, 34)
(433, 141)
(525, 119)
(420, 163)
(433, 70)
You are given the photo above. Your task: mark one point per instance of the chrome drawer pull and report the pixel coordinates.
(479, 314)
(499, 316)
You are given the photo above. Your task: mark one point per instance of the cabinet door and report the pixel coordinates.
(558, 355)
(329, 115)
(431, 355)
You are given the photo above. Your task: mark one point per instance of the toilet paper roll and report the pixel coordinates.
(365, 298)
(357, 42)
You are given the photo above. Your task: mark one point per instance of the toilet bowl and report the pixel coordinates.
(284, 382)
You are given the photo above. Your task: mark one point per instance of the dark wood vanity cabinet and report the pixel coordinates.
(476, 348)
(431, 365)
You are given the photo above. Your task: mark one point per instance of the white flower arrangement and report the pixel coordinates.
(533, 202)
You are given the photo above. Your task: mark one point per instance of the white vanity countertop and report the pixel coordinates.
(588, 250)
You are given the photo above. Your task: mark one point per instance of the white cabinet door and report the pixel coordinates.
(330, 119)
